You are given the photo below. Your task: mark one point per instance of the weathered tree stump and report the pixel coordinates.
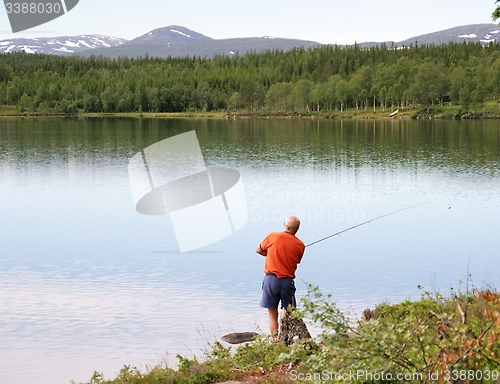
(291, 329)
(367, 314)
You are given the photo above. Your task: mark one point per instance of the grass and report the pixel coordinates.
(255, 362)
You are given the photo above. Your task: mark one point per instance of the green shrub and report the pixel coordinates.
(430, 338)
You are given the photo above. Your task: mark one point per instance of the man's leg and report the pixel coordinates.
(270, 300)
(288, 294)
(273, 321)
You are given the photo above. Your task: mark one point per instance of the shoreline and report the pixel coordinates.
(492, 112)
(217, 116)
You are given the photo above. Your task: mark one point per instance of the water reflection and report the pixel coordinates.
(108, 321)
(88, 284)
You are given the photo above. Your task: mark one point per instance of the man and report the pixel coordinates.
(283, 251)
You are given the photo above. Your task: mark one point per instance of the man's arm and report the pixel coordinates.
(302, 255)
(260, 251)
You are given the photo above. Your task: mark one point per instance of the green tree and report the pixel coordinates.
(466, 90)
(109, 100)
(479, 95)
(318, 95)
(15, 89)
(252, 94)
(301, 94)
(356, 89)
(234, 101)
(331, 96)
(25, 103)
(53, 95)
(272, 98)
(384, 79)
(494, 77)
(178, 98)
(405, 70)
(496, 12)
(3, 94)
(342, 92)
(456, 83)
(140, 97)
(278, 97)
(125, 100)
(362, 86)
(90, 104)
(429, 84)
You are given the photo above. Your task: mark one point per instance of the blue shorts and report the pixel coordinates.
(275, 290)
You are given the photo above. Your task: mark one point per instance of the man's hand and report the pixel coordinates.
(260, 251)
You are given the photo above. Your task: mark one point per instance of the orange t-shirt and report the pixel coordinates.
(284, 252)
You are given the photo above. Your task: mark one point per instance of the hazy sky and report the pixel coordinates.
(324, 21)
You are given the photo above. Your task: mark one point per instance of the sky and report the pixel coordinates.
(323, 21)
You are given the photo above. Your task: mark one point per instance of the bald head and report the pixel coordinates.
(292, 224)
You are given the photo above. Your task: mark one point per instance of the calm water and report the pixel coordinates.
(87, 283)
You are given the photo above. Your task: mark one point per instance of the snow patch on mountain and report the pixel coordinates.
(72, 43)
(63, 49)
(180, 33)
(486, 39)
(59, 45)
(84, 43)
(28, 49)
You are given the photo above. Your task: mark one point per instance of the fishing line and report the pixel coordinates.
(366, 222)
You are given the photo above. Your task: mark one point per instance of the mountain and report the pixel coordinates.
(177, 41)
(474, 33)
(63, 46)
(173, 34)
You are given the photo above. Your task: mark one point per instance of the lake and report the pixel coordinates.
(88, 283)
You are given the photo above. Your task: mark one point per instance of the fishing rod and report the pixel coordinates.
(366, 222)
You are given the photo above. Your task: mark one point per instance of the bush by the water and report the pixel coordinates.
(435, 339)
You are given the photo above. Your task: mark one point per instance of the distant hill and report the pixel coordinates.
(478, 33)
(177, 41)
(173, 34)
(63, 45)
(474, 33)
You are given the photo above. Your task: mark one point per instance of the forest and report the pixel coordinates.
(323, 79)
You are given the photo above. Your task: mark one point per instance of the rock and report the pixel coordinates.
(291, 329)
(239, 337)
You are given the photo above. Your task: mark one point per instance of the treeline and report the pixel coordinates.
(328, 78)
